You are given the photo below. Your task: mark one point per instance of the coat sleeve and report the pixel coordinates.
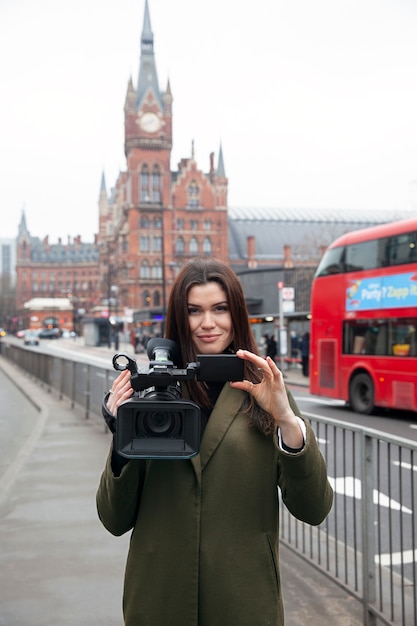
(302, 478)
(118, 497)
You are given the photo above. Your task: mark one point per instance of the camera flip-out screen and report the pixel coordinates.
(152, 429)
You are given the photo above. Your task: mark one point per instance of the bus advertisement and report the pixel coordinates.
(364, 319)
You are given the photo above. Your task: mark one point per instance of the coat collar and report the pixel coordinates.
(223, 413)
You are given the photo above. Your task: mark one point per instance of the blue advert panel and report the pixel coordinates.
(383, 292)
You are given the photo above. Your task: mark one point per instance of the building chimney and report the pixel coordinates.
(252, 262)
(287, 257)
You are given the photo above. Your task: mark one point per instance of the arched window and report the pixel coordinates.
(150, 184)
(144, 184)
(156, 185)
(157, 270)
(193, 246)
(180, 246)
(193, 193)
(207, 246)
(144, 270)
(144, 221)
(144, 243)
(146, 298)
(156, 298)
(157, 244)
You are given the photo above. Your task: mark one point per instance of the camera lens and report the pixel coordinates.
(159, 424)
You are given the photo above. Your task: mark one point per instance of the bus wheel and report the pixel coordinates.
(361, 394)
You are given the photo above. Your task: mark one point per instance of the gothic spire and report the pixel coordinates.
(148, 78)
(220, 166)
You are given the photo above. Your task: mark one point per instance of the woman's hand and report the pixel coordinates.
(271, 395)
(120, 391)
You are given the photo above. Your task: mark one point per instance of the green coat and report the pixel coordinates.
(204, 547)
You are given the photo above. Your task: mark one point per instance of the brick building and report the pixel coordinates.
(155, 218)
(62, 272)
(151, 222)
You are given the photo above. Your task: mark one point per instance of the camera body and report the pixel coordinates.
(159, 424)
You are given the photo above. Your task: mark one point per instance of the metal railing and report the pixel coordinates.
(367, 544)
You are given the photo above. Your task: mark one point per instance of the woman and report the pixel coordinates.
(204, 547)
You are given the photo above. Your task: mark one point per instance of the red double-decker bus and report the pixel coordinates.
(363, 346)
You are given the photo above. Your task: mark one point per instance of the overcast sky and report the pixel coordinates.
(314, 102)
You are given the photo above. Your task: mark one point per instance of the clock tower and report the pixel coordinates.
(156, 219)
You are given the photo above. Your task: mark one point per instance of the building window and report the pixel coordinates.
(207, 246)
(144, 222)
(157, 223)
(193, 193)
(144, 184)
(194, 224)
(180, 224)
(180, 246)
(146, 298)
(156, 185)
(150, 184)
(157, 270)
(207, 224)
(144, 270)
(193, 246)
(144, 243)
(157, 244)
(156, 298)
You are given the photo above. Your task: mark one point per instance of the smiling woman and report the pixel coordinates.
(209, 318)
(206, 527)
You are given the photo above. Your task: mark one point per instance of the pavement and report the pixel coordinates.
(58, 565)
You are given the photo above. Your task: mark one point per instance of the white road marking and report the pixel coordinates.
(352, 487)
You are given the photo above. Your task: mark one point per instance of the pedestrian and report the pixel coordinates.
(271, 347)
(133, 339)
(204, 546)
(305, 353)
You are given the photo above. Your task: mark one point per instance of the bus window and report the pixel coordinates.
(403, 248)
(332, 262)
(366, 255)
(404, 337)
(365, 337)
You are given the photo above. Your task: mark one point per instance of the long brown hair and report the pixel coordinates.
(201, 271)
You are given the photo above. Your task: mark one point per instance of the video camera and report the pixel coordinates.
(159, 424)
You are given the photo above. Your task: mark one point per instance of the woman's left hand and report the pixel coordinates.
(120, 391)
(271, 395)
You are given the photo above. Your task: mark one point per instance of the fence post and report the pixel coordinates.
(73, 384)
(87, 391)
(368, 531)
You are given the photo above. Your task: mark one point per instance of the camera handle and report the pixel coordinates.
(122, 361)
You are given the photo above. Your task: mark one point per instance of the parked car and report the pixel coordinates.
(49, 333)
(31, 338)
